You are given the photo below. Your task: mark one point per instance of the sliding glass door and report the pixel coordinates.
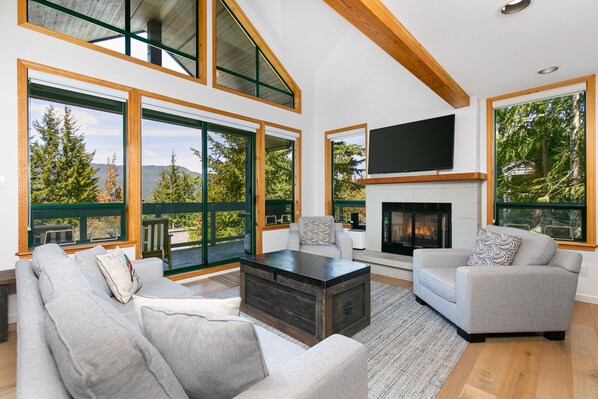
(196, 214)
(229, 194)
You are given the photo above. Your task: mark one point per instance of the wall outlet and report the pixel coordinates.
(584, 270)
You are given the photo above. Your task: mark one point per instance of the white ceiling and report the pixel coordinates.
(489, 54)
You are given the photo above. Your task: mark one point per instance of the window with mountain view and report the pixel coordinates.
(279, 160)
(540, 166)
(76, 167)
(242, 66)
(163, 33)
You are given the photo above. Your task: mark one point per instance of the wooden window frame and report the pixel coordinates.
(328, 188)
(238, 13)
(590, 81)
(201, 43)
(133, 227)
(260, 167)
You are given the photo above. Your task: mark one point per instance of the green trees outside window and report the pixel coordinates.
(541, 166)
(348, 165)
(279, 180)
(161, 32)
(76, 163)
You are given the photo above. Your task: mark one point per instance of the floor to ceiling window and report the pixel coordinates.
(198, 179)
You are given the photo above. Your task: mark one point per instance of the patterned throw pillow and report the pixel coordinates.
(317, 230)
(493, 249)
(120, 274)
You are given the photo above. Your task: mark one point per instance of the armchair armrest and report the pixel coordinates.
(514, 298)
(149, 269)
(336, 368)
(294, 240)
(441, 257)
(345, 244)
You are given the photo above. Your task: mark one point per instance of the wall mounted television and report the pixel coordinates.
(410, 147)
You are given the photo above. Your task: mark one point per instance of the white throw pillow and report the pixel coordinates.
(493, 249)
(120, 274)
(229, 306)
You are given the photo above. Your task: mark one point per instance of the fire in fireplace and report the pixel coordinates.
(410, 225)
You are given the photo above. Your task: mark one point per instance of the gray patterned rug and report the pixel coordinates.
(411, 349)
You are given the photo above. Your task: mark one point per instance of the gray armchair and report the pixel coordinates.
(534, 294)
(329, 239)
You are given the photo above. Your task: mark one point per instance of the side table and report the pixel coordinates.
(7, 278)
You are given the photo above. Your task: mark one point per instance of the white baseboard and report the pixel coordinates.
(587, 298)
(12, 318)
(392, 272)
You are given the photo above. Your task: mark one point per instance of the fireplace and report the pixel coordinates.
(410, 225)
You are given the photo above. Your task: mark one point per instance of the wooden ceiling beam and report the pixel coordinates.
(373, 19)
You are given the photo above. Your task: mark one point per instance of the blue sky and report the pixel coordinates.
(103, 133)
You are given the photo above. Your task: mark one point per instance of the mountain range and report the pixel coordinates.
(150, 174)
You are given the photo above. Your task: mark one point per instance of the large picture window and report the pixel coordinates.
(541, 163)
(76, 167)
(164, 33)
(347, 149)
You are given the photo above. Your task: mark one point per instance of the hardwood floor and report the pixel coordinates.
(513, 367)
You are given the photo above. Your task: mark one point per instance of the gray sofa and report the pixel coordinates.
(335, 368)
(341, 246)
(534, 294)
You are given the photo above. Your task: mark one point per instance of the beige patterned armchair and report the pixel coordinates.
(320, 235)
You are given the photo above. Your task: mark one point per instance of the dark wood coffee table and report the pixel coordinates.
(308, 297)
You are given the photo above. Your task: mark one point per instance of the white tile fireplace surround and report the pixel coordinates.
(465, 198)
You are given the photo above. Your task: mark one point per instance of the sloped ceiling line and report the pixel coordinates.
(374, 20)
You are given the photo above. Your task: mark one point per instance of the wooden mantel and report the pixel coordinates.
(472, 176)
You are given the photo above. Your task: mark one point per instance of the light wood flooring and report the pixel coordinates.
(513, 367)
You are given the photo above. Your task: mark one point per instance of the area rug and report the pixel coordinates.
(411, 348)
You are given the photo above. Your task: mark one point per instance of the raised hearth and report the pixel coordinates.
(407, 226)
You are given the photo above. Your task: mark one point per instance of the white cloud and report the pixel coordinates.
(149, 153)
(83, 118)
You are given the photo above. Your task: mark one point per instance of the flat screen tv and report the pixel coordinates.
(410, 147)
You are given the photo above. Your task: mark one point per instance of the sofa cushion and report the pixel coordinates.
(213, 356)
(89, 267)
(535, 248)
(317, 230)
(277, 351)
(440, 280)
(100, 354)
(120, 275)
(165, 288)
(493, 249)
(59, 277)
(45, 253)
(331, 251)
(228, 306)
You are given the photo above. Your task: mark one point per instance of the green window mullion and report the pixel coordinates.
(115, 29)
(128, 26)
(238, 75)
(257, 72)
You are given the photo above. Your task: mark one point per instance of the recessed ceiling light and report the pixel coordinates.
(515, 6)
(545, 71)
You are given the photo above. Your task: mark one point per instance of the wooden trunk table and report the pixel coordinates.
(7, 278)
(308, 297)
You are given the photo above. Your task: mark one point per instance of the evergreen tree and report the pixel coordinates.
(61, 170)
(348, 166)
(177, 186)
(279, 174)
(113, 192)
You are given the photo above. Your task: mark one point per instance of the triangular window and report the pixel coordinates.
(244, 66)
